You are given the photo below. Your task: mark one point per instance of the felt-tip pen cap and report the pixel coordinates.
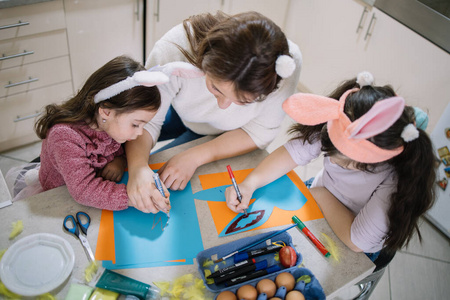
(298, 222)
(261, 265)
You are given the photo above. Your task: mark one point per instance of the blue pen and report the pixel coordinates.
(161, 190)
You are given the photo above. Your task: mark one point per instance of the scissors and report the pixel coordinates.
(71, 225)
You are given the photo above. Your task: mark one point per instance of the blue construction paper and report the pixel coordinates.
(141, 239)
(282, 193)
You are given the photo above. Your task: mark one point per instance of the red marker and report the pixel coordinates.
(308, 233)
(238, 193)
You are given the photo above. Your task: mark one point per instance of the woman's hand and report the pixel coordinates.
(233, 201)
(178, 170)
(114, 169)
(143, 193)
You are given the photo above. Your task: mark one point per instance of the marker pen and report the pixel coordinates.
(234, 267)
(258, 252)
(243, 278)
(260, 265)
(233, 180)
(311, 236)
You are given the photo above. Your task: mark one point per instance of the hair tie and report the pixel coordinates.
(284, 66)
(364, 78)
(410, 133)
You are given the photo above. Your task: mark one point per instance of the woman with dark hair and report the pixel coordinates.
(249, 68)
(379, 165)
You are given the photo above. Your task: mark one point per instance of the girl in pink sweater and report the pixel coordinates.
(83, 137)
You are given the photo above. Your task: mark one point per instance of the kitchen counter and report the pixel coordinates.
(45, 212)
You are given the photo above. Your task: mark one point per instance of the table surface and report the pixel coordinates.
(45, 212)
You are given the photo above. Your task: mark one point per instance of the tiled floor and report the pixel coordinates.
(420, 271)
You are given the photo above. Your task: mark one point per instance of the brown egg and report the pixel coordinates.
(294, 295)
(247, 292)
(226, 295)
(285, 279)
(275, 298)
(266, 286)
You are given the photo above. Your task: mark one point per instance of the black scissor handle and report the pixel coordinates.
(82, 216)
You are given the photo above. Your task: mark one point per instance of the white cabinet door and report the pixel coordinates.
(276, 10)
(162, 15)
(341, 38)
(99, 30)
(328, 36)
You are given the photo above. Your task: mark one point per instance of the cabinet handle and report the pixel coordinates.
(137, 10)
(19, 118)
(362, 18)
(25, 52)
(156, 14)
(22, 82)
(369, 29)
(15, 25)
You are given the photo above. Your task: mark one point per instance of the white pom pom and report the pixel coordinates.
(31, 177)
(364, 78)
(410, 133)
(284, 66)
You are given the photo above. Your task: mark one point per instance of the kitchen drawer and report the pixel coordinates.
(42, 17)
(33, 48)
(28, 77)
(17, 113)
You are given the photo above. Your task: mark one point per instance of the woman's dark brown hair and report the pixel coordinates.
(241, 49)
(81, 108)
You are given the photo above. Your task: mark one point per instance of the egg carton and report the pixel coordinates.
(312, 290)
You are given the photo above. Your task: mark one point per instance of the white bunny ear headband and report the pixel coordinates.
(350, 138)
(155, 76)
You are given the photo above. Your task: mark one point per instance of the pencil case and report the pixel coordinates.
(312, 290)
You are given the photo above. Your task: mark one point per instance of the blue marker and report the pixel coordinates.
(161, 190)
(158, 184)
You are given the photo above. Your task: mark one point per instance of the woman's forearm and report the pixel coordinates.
(138, 150)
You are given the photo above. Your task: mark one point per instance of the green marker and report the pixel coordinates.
(311, 236)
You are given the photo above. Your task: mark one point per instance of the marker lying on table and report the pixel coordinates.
(254, 244)
(260, 265)
(308, 233)
(238, 193)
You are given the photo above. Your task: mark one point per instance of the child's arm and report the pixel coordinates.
(339, 217)
(114, 169)
(271, 168)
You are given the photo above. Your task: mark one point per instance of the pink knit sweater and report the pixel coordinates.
(73, 154)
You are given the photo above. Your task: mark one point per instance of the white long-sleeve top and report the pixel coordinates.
(366, 194)
(198, 108)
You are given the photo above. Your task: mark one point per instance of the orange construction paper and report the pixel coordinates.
(222, 215)
(105, 249)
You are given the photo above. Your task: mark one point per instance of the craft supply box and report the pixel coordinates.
(211, 254)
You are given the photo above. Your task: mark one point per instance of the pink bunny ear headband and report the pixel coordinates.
(350, 138)
(155, 76)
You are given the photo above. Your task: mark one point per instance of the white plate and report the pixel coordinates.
(36, 264)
